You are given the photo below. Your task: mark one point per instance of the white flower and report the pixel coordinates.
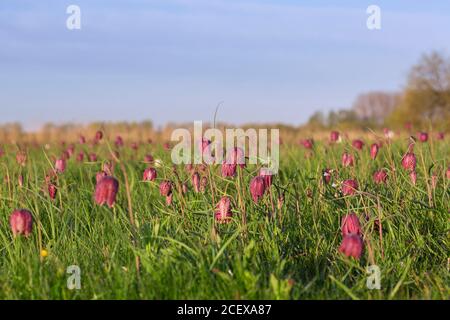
(158, 163)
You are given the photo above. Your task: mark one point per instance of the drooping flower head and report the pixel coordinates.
(423, 136)
(204, 149)
(349, 187)
(65, 155)
(165, 188)
(348, 160)
(80, 157)
(205, 143)
(92, 157)
(150, 174)
(352, 246)
(149, 158)
(98, 136)
(374, 148)
(60, 165)
(223, 213)
(257, 188)
(228, 170)
(135, 146)
(350, 225)
(21, 222)
(167, 146)
(307, 143)
(267, 175)
(106, 191)
(380, 176)
(358, 144)
(409, 161)
(119, 142)
(52, 190)
(334, 136)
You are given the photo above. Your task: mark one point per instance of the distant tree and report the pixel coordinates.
(427, 94)
(343, 117)
(373, 108)
(333, 119)
(348, 118)
(317, 120)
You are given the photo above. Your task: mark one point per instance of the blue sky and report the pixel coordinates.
(175, 60)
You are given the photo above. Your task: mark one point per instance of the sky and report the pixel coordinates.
(176, 60)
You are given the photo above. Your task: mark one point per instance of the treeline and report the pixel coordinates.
(133, 131)
(130, 132)
(424, 102)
